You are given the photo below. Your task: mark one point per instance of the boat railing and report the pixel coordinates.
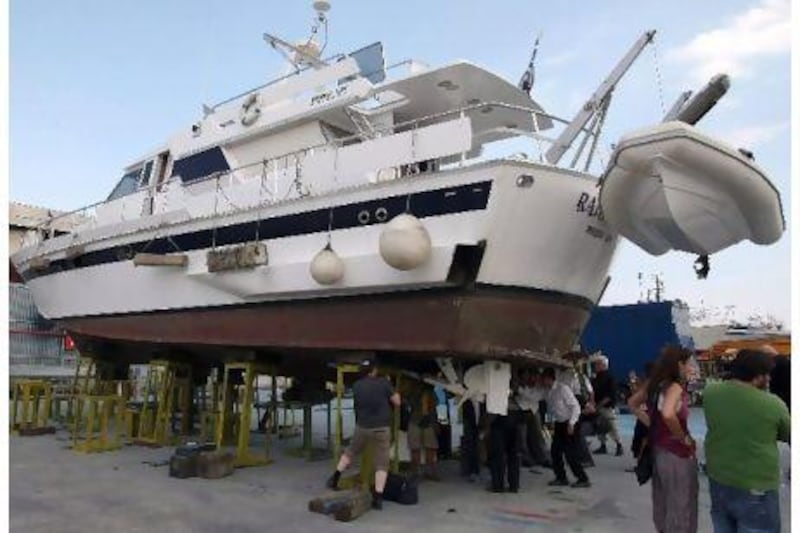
(282, 160)
(280, 164)
(393, 68)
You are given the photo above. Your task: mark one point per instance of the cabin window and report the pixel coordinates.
(200, 165)
(127, 185)
(148, 170)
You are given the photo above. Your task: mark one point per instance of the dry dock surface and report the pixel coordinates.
(54, 489)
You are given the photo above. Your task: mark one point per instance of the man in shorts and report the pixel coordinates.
(373, 398)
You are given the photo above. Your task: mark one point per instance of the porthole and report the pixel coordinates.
(381, 214)
(363, 217)
(524, 181)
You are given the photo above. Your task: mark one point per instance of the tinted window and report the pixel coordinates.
(200, 165)
(148, 169)
(128, 184)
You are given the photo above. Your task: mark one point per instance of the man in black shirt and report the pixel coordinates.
(373, 397)
(605, 396)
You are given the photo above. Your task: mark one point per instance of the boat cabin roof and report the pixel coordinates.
(446, 89)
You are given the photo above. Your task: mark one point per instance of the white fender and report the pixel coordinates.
(405, 243)
(327, 267)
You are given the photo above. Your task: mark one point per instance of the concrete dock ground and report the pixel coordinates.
(54, 489)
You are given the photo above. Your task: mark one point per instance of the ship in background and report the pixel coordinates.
(346, 207)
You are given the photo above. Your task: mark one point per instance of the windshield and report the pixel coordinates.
(126, 185)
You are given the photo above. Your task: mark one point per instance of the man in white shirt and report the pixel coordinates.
(581, 387)
(565, 410)
(530, 393)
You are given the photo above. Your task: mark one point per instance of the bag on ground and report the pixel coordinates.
(401, 489)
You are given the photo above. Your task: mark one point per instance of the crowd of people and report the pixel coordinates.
(744, 423)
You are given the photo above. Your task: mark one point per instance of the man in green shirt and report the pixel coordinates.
(744, 424)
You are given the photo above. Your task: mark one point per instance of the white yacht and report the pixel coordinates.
(349, 206)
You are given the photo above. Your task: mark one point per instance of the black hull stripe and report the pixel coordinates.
(446, 201)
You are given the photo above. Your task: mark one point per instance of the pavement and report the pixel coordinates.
(53, 488)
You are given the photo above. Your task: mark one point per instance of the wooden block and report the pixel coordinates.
(353, 507)
(173, 260)
(39, 263)
(214, 465)
(26, 431)
(329, 502)
(183, 466)
(248, 255)
(74, 251)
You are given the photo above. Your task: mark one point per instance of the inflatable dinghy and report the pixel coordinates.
(669, 187)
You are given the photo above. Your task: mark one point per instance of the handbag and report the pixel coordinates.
(645, 465)
(401, 489)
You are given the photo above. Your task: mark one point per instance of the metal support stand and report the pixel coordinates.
(103, 427)
(209, 412)
(166, 380)
(240, 427)
(30, 413)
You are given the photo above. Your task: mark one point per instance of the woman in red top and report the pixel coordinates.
(675, 469)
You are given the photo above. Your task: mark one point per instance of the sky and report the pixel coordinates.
(94, 84)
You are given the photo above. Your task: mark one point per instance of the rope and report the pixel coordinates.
(214, 219)
(659, 80)
(330, 225)
(262, 184)
(177, 248)
(221, 190)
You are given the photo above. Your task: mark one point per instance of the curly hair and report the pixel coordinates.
(667, 369)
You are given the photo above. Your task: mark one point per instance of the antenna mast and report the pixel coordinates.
(305, 53)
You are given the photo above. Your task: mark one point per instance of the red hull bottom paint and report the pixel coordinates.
(482, 323)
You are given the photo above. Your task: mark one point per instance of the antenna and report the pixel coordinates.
(529, 76)
(659, 287)
(641, 288)
(305, 53)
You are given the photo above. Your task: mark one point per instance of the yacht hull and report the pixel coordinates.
(520, 254)
(482, 322)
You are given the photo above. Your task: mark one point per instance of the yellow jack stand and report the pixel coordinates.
(166, 381)
(105, 411)
(33, 398)
(235, 428)
(209, 411)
